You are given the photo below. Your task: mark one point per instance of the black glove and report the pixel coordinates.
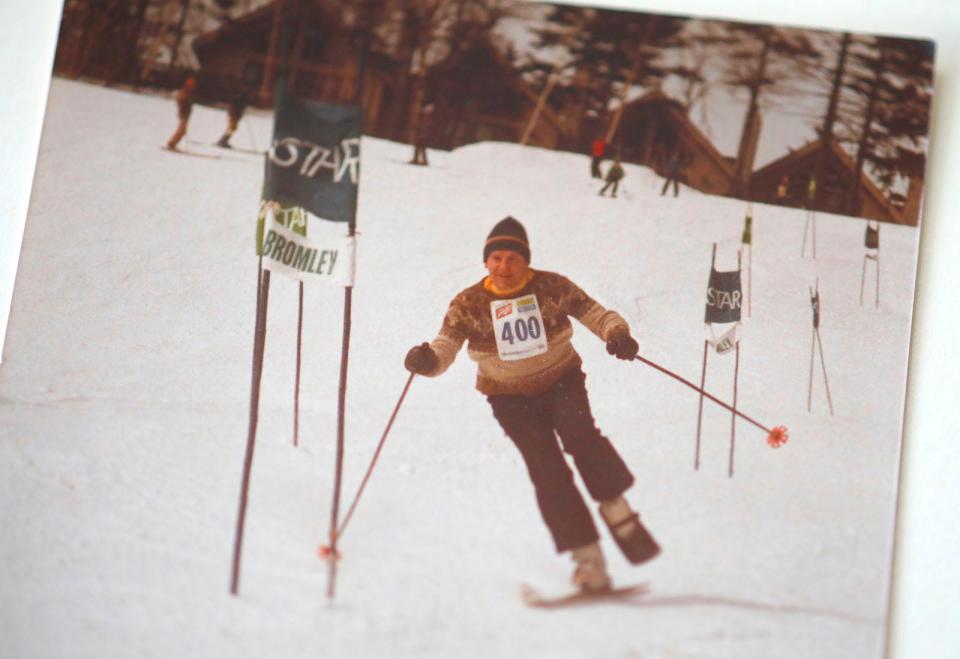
(421, 359)
(623, 346)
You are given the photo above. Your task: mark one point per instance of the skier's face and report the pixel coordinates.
(507, 268)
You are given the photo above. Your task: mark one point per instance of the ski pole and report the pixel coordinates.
(325, 550)
(775, 437)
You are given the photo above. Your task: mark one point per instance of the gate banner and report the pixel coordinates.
(314, 160)
(724, 297)
(287, 252)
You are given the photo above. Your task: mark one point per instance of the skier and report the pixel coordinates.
(811, 191)
(235, 108)
(674, 167)
(422, 135)
(516, 325)
(184, 100)
(614, 174)
(783, 187)
(599, 147)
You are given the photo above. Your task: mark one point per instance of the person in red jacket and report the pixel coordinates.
(516, 324)
(599, 148)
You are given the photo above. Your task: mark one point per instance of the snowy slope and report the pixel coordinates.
(125, 385)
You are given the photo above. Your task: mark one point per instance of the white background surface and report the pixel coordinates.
(927, 587)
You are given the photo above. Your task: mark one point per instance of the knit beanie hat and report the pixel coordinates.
(508, 233)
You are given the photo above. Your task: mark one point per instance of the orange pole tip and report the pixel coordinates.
(778, 437)
(324, 552)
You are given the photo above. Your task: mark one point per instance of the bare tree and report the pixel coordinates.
(762, 60)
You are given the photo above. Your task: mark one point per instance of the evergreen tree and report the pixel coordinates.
(764, 61)
(610, 52)
(893, 80)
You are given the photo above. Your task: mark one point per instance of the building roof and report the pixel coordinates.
(512, 79)
(679, 114)
(809, 149)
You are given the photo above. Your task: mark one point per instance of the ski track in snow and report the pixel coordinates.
(125, 385)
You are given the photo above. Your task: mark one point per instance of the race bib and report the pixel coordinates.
(518, 328)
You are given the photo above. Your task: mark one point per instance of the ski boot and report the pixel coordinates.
(636, 543)
(590, 575)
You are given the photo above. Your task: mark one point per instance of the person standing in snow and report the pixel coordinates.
(599, 148)
(674, 167)
(421, 136)
(184, 100)
(782, 188)
(516, 323)
(614, 175)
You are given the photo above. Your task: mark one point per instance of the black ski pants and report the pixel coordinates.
(595, 167)
(419, 154)
(666, 186)
(533, 423)
(615, 183)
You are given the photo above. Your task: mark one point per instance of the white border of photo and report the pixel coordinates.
(926, 598)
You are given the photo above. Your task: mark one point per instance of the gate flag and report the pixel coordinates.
(724, 297)
(314, 160)
(288, 252)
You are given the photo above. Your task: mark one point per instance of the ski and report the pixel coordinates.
(229, 147)
(532, 597)
(190, 153)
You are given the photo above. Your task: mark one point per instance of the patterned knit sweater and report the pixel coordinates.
(469, 319)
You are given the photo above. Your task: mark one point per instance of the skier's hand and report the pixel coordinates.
(623, 346)
(421, 359)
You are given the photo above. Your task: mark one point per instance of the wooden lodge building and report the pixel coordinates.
(477, 94)
(834, 191)
(320, 62)
(655, 127)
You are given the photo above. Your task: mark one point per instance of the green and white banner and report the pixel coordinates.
(287, 251)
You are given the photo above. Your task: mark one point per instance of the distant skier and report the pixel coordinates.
(184, 98)
(516, 323)
(614, 176)
(783, 188)
(422, 134)
(236, 106)
(811, 191)
(599, 148)
(674, 167)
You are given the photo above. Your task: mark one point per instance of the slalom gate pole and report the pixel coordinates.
(863, 276)
(806, 228)
(733, 419)
(703, 379)
(341, 408)
(344, 360)
(877, 305)
(776, 436)
(259, 341)
(296, 384)
(823, 365)
(813, 215)
(750, 282)
(813, 347)
(327, 551)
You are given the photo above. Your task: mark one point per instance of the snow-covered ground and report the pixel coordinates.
(124, 397)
